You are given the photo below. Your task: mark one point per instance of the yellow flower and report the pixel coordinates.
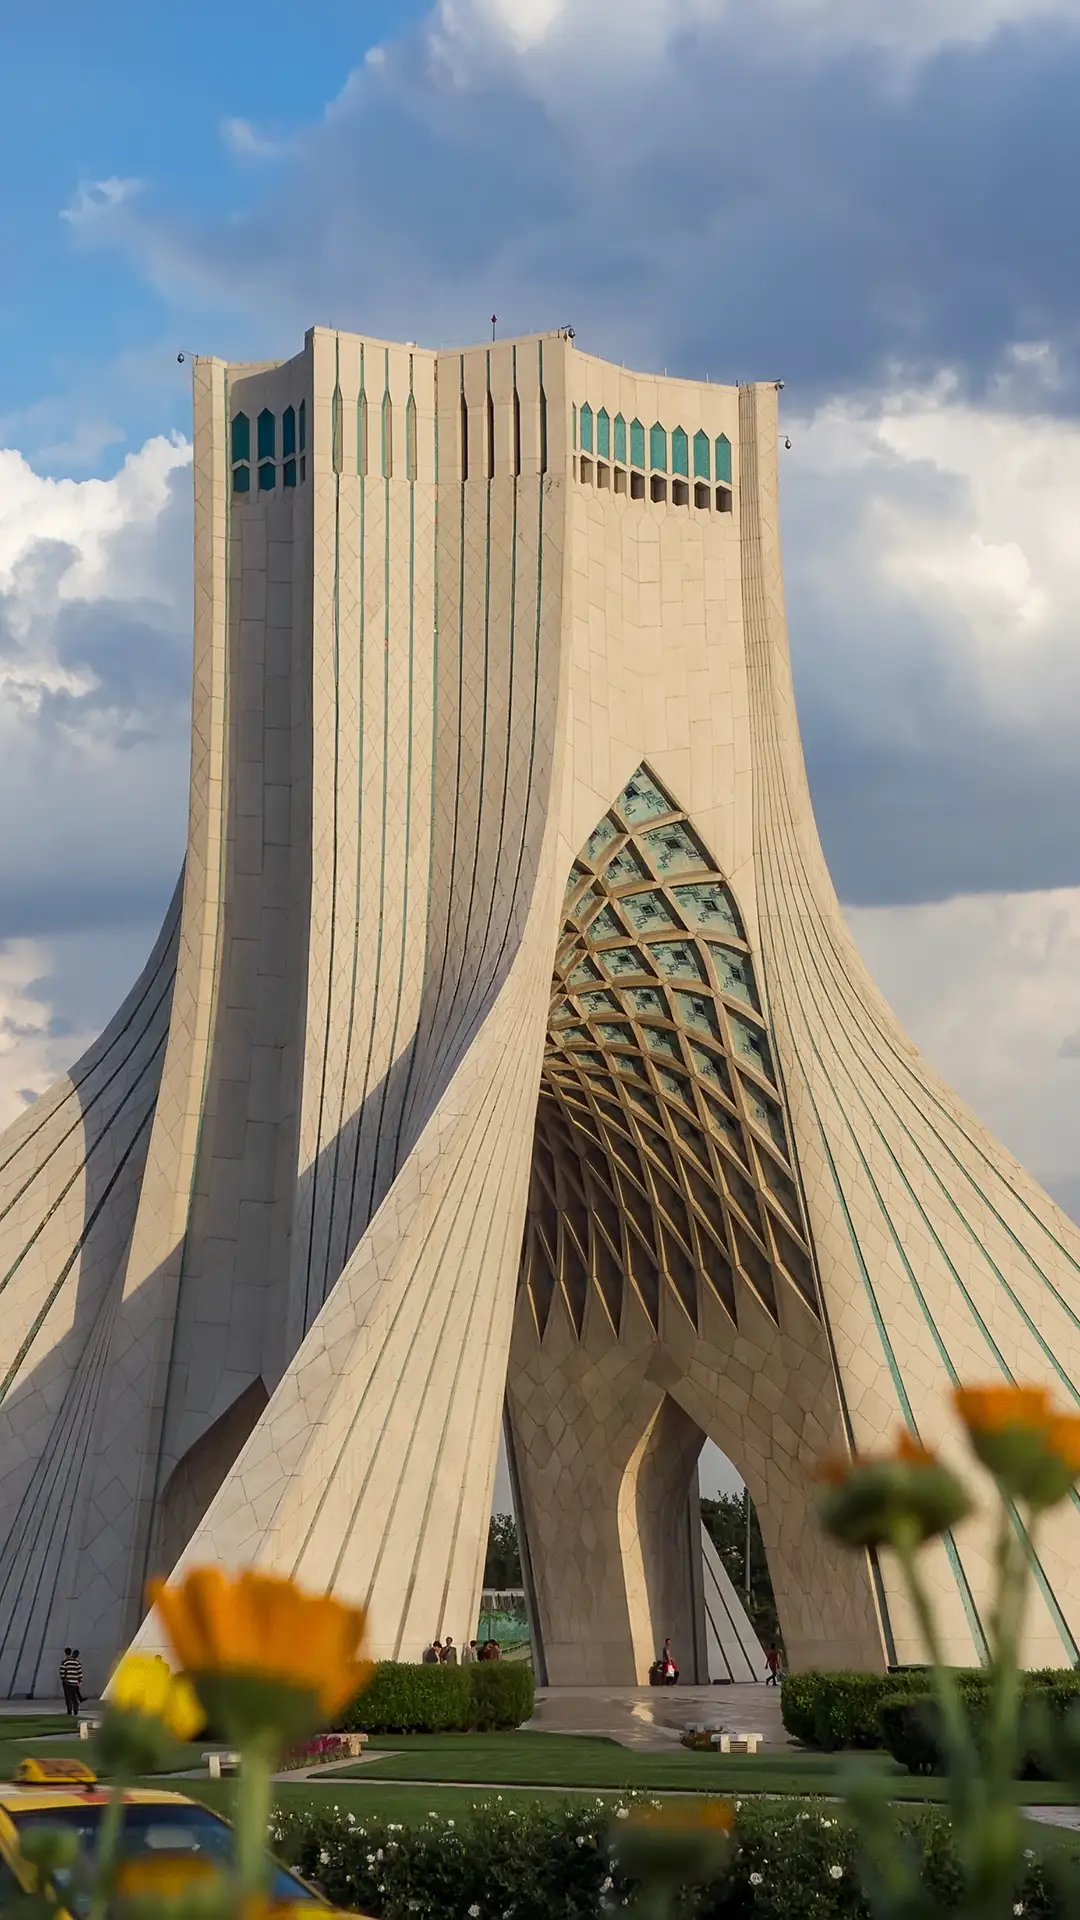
(1033, 1452)
(897, 1499)
(164, 1876)
(265, 1656)
(670, 1845)
(144, 1683)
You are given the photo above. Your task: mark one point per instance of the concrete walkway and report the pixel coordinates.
(655, 1717)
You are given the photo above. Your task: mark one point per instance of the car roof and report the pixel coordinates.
(15, 1797)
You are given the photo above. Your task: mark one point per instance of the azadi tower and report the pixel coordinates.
(504, 1057)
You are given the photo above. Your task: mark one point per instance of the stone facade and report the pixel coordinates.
(504, 1055)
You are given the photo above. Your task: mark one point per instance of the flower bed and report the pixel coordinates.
(317, 1751)
(789, 1861)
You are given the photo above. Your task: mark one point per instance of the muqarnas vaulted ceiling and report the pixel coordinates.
(662, 1155)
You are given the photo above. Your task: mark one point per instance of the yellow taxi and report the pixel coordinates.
(160, 1830)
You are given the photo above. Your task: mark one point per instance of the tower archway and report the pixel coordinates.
(667, 1286)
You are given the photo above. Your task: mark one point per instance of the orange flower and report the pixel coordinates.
(1033, 1452)
(894, 1499)
(270, 1634)
(994, 1409)
(705, 1815)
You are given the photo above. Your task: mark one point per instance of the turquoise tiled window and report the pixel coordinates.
(288, 473)
(680, 452)
(723, 459)
(361, 432)
(641, 799)
(267, 477)
(586, 428)
(267, 428)
(603, 434)
(637, 444)
(708, 905)
(658, 447)
(673, 849)
(410, 438)
(288, 431)
(387, 437)
(241, 437)
(600, 837)
(701, 456)
(301, 422)
(241, 480)
(620, 438)
(648, 912)
(677, 959)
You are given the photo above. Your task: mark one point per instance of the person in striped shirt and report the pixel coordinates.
(71, 1680)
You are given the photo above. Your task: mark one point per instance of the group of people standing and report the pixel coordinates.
(443, 1653)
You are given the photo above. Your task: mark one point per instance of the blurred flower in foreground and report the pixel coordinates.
(1032, 1451)
(147, 1707)
(664, 1847)
(269, 1662)
(897, 1499)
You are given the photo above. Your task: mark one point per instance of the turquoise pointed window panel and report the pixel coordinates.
(637, 444)
(680, 452)
(620, 961)
(646, 1000)
(673, 849)
(288, 432)
(658, 447)
(648, 912)
(586, 428)
(734, 974)
(641, 799)
(766, 1113)
(585, 974)
(701, 456)
(241, 437)
(620, 438)
(659, 1040)
(723, 459)
(697, 1010)
(578, 873)
(573, 425)
(267, 429)
(711, 1066)
(288, 473)
(677, 959)
(301, 423)
(600, 837)
(387, 437)
(751, 1043)
(267, 477)
(603, 434)
(615, 1033)
(605, 926)
(708, 906)
(624, 869)
(241, 480)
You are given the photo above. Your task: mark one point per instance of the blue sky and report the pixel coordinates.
(876, 203)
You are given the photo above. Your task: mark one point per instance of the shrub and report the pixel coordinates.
(404, 1697)
(911, 1723)
(502, 1694)
(789, 1861)
(832, 1710)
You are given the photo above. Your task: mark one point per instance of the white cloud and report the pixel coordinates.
(989, 989)
(32, 1052)
(97, 200)
(466, 34)
(94, 666)
(241, 137)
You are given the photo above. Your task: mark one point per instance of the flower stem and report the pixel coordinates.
(253, 1818)
(960, 1746)
(112, 1821)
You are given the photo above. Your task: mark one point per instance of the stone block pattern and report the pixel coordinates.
(504, 1054)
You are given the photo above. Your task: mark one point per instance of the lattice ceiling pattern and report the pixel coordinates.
(661, 1154)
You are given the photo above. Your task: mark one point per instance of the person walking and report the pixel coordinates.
(449, 1652)
(71, 1681)
(774, 1663)
(669, 1672)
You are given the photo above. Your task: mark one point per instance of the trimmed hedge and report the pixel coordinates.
(403, 1697)
(834, 1710)
(789, 1861)
(911, 1725)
